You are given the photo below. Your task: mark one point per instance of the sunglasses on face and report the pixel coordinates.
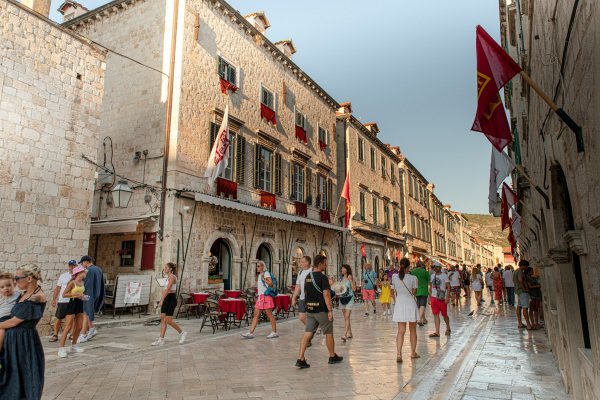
(18, 278)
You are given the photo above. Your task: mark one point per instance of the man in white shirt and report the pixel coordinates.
(489, 282)
(439, 282)
(299, 290)
(455, 284)
(509, 285)
(61, 302)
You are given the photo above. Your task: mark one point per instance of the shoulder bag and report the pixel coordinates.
(440, 294)
(348, 295)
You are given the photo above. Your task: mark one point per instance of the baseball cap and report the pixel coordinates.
(85, 258)
(437, 264)
(72, 262)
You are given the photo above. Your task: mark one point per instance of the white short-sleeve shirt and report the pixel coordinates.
(454, 278)
(262, 285)
(300, 280)
(438, 281)
(508, 278)
(63, 280)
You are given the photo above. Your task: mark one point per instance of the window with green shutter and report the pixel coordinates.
(240, 160)
(291, 181)
(329, 195)
(383, 174)
(212, 136)
(361, 149)
(278, 180)
(308, 187)
(375, 207)
(363, 206)
(227, 71)
(256, 166)
(393, 176)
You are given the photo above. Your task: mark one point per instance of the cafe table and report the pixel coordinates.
(200, 299)
(233, 294)
(234, 308)
(282, 301)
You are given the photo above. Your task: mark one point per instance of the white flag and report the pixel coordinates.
(219, 156)
(500, 168)
(515, 223)
(389, 255)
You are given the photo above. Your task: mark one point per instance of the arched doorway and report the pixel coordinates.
(222, 266)
(296, 257)
(264, 254)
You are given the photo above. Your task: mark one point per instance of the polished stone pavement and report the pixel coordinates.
(487, 357)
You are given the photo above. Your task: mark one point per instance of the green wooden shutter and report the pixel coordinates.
(329, 194)
(278, 177)
(317, 191)
(292, 182)
(212, 136)
(240, 160)
(308, 186)
(256, 165)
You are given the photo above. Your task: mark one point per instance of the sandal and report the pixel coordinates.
(448, 332)
(434, 335)
(53, 339)
(522, 326)
(415, 356)
(344, 338)
(398, 359)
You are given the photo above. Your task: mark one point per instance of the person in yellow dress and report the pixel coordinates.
(385, 297)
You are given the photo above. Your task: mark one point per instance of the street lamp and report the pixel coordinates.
(121, 194)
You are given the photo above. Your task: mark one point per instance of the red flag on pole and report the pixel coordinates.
(398, 255)
(346, 195)
(509, 199)
(494, 69)
(362, 250)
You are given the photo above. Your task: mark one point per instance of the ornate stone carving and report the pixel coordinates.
(576, 241)
(559, 255)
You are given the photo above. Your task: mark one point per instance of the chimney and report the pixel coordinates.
(40, 6)
(70, 9)
(287, 47)
(259, 21)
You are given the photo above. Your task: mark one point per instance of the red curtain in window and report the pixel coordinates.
(267, 200)
(226, 85)
(301, 209)
(266, 112)
(322, 145)
(301, 134)
(226, 187)
(325, 216)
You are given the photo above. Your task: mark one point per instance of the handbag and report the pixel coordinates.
(440, 294)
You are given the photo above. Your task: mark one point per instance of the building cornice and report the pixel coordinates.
(100, 13)
(371, 135)
(415, 170)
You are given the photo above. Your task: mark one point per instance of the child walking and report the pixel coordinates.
(385, 298)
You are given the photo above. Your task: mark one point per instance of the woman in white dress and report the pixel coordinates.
(405, 288)
(477, 280)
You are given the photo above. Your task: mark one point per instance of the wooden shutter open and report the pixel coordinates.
(240, 160)
(292, 182)
(308, 186)
(278, 180)
(329, 195)
(256, 166)
(212, 136)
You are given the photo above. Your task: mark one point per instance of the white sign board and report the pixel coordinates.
(133, 293)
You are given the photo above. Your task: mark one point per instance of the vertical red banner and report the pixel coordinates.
(148, 248)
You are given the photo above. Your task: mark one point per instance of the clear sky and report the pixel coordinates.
(407, 65)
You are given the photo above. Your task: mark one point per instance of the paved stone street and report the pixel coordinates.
(487, 357)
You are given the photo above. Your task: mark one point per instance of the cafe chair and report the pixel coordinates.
(186, 301)
(221, 294)
(214, 315)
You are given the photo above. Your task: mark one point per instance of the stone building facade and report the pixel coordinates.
(558, 46)
(283, 151)
(375, 194)
(51, 85)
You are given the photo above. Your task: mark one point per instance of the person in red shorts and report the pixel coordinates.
(439, 283)
(369, 284)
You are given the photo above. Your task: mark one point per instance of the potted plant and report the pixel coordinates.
(215, 279)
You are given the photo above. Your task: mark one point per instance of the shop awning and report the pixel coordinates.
(395, 240)
(118, 225)
(361, 239)
(265, 212)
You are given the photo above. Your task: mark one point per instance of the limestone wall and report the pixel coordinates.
(51, 85)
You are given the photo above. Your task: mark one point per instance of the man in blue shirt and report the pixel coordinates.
(369, 284)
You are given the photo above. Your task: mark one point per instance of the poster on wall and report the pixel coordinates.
(133, 293)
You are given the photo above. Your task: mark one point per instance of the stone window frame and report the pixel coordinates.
(363, 205)
(298, 110)
(373, 158)
(272, 92)
(322, 128)
(233, 64)
(361, 150)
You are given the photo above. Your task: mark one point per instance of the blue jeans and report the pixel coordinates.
(510, 293)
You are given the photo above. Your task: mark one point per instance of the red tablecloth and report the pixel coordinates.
(199, 298)
(233, 294)
(236, 306)
(282, 301)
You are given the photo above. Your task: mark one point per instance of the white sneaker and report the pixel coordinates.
(247, 335)
(82, 339)
(62, 352)
(272, 335)
(76, 349)
(182, 337)
(159, 342)
(91, 333)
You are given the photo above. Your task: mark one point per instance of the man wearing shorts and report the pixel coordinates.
(439, 282)
(423, 289)
(455, 284)
(299, 290)
(319, 311)
(369, 283)
(522, 291)
(59, 301)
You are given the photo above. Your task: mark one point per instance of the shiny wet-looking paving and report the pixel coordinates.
(486, 357)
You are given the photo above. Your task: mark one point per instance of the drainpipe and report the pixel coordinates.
(163, 197)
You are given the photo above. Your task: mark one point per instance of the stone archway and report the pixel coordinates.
(235, 258)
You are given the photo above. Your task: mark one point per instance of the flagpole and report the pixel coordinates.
(539, 189)
(338, 207)
(532, 214)
(559, 112)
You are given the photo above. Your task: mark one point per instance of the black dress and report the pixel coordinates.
(22, 374)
